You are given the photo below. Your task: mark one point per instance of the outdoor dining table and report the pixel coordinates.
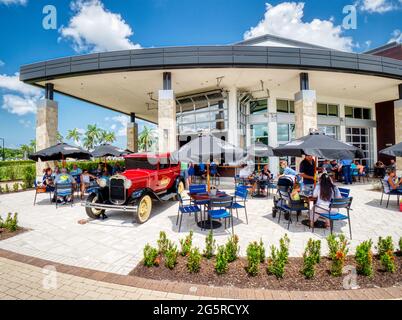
(205, 223)
(310, 199)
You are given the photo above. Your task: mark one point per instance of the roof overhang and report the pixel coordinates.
(120, 80)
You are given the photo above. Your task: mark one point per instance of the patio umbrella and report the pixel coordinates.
(203, 148)
(107, 150)
(260, 150)
(393, 151)
(60, 151)
(319, 145)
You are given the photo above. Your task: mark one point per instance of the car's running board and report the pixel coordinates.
(101, 206)
(168, 196)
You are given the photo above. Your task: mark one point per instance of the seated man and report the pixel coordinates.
(75, 171)
(64, 178)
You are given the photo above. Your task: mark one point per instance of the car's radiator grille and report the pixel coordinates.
(117, 191)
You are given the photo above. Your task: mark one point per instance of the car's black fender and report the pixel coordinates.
(138, 194)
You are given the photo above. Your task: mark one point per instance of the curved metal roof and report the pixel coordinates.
(212, 56)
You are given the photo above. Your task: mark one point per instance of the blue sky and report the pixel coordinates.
(153, 23)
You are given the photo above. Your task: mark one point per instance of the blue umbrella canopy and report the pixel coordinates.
(319, 145)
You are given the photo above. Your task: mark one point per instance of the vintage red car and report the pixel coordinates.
(147, 177)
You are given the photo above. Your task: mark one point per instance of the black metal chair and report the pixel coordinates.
(385, 185)
(331, 215)
(64, 190)
(221, 208)
(287, 204)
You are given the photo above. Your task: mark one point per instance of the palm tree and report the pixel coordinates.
(32, 145)
(146, 139)
(107, 137)
(73, 135)
(26, 150)
(59, 137)
(91, 136)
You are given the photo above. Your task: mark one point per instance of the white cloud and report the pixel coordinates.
(25, 123)
(377, 6)
(8, 2)
(96, 29)
(13, 83)
(23, 98)
(286, 20)
(2, 63)
(119, 124)
(19, 105)
(396, 36)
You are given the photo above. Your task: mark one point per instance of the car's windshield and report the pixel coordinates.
(141, 163)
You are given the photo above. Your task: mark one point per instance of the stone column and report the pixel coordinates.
(398, 131)
(232, 117)
(46, 129)
(273, 134)
(305, 112)
(132, 136)
(167, 121)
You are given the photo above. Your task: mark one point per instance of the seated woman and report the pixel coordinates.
(379, 169)
(47, 180)
(324, 192)
(86, 181)
(394, 183)
(266, 177)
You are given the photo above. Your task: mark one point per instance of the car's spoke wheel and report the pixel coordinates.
(180, 187)
(92, 212)
(144, 209)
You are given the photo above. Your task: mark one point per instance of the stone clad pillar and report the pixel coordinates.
(167, 121)
(398, 130)
(46, 129)
(232, 117)
(305, 112)
(132, 134)
(273, 134)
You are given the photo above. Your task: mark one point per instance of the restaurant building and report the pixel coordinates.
(267, 89)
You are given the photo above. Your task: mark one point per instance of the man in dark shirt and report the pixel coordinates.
(307, 170)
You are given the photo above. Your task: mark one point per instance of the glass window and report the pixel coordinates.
(348, 112)
(357, 113)
(139, 163)
(258, 106)
(322, 109)
(367, 114)
(360, 137)
(291, 106)
(333, 110)
(282, 106)
(283, 132)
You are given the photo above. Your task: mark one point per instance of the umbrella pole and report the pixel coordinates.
(63, 161)
(315, 171)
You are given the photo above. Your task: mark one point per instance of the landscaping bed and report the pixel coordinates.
(5, 233)
(293, 279)
(9, 227)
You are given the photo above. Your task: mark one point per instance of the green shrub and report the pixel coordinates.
(163, 242)
(311, 257)
(338, 249)
(171, 255)
(400, 246)
(284, 247)
(186, 244)
(276, 262)
(364, 258)
(29, 175)
(12, 173)
(194, 260)
(262, 251)
(221, 262)
(7, 188)
(150, 256)
(385, 249)
(253, 259)
(210, 245)
(11, 222)
(232, 248)
(16, 187)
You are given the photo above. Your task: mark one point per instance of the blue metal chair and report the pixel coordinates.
(186, 209)
(331, 215)
(239, 201)
(286, 204)
(344, 192)
(221, 208)
(197, 188)
(64, 190)
(385, 186)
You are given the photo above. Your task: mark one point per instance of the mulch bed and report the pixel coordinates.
(5, 234)
(292, 280)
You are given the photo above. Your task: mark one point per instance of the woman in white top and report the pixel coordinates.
(324, 192)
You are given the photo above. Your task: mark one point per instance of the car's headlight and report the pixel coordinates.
(127, 183)
(102, 182)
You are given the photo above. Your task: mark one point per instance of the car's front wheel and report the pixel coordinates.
(92, 212)
(144, 208)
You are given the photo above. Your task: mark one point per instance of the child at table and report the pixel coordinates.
(295, 195)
